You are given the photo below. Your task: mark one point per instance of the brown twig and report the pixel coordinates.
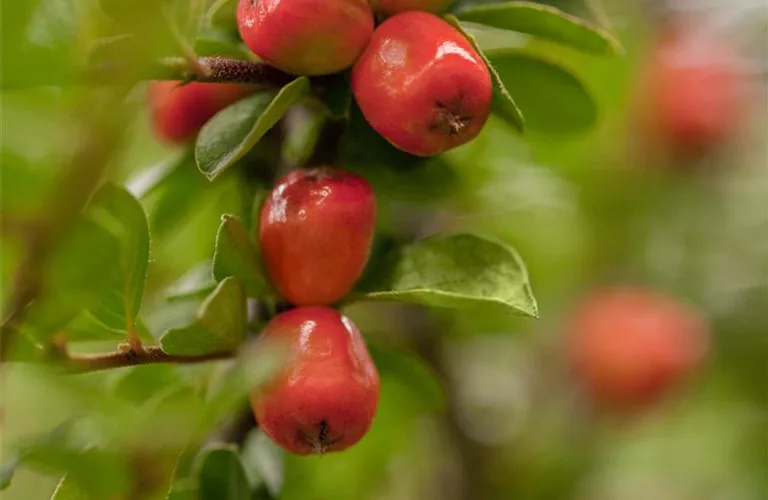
(217, 70)
(81, 363)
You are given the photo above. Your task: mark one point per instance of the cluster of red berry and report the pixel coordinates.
(419, 83)
(417, 80)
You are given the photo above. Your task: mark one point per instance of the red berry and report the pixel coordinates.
(392, 7)
(421, 84)
(630, 347)
(306, 37)
(694, 91)
(326, 397)
(179, 110)
(315, 234)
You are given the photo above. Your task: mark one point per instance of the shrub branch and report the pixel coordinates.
(81, 363)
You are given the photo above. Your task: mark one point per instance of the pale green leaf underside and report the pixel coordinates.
(456, 271)
(232, 132)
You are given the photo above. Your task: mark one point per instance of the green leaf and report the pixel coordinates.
(236, 255)
(552, 99)
(217, 44)
(74, 283)
(231, 133)
(222, 476)
(503, 102)
(220, 325)
(117, 210)
(457, 271)
(197, 282)
(304, 125)
(545, 22)
(264, 462)
(412, 370)
(222, 14)
(85, 327)
(67, 489)
(140, 383)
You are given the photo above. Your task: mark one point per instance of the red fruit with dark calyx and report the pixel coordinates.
(421, 84)
(315, 234)
(180, 110)
(631, 347)
(325, 399)
(306, 37)
(392, 7)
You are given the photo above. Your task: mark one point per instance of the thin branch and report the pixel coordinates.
(81, 363)
(217, 70)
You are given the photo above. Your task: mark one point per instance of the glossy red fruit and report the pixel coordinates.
(392, 7)
(631, 347)
(179, 110)
(695, 91)
(306, 37)
(315, 234)
(326, 397)
(421, 84)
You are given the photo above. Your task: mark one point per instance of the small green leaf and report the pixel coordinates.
(197, 282)
(264, 462)
(236, 255)
(220, 325)
(222, 476)
(304, 125)
(503, 102)
(73, 283)
(552, 99)
(118, 211)
(230, 134)
(458, 271)
(545, 22)
(140, 383)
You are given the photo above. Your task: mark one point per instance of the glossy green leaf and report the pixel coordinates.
(197, 282)
(237, 255)
(264, 462)
(222, 476)
(118, 211)
(230, 134)
(504, 103)
(73, 283)
(551, 98)
(220, 324)
(304, 125)
(457, 271)
(544, 21)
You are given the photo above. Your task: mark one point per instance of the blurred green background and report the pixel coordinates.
(474, 405)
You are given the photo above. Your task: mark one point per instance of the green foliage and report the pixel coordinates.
(503, 102)
(545, 22)
(237, 255)
(220, 324)
(230, 134)
(222, 476)
(458, 271)
(551, 98)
